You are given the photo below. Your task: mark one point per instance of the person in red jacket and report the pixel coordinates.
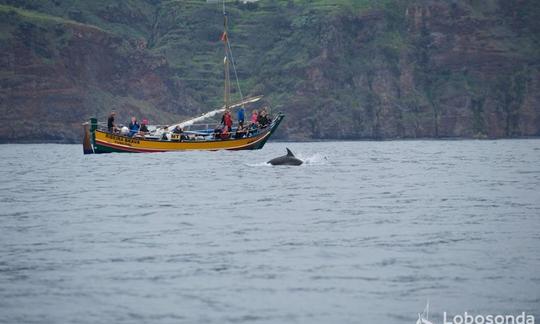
(227, 120)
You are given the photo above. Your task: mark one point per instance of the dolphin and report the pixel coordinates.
(288, 159)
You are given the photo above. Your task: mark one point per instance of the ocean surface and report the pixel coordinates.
(363, 232)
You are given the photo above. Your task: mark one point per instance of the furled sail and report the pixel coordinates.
(212, 113)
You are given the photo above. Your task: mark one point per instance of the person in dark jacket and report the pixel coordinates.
(263, 119)
(144, 129)
(241, 132)
(252, 129)
(164, 136)
(177, 130)
(110, 122)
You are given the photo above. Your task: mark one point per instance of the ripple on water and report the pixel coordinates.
(361, 232)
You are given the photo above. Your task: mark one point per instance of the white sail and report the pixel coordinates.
(200, 118)
(212, 113)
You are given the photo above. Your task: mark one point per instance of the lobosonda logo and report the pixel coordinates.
(466, 318)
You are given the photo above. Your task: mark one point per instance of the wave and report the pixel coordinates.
(315, 159)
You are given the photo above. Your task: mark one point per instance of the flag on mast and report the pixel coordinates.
(224, 37)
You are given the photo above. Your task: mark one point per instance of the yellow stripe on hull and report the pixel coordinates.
(135, 144)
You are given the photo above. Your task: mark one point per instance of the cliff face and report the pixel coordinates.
(57, 73)
(381, 69)
(438, 70)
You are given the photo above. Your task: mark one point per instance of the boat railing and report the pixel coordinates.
(201, 131)
(197, 135)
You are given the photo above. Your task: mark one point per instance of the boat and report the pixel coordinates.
(194, 134)
(97, 140)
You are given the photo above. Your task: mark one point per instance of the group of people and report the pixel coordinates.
(133, 129)
(257, 120)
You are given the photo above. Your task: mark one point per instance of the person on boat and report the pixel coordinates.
(226, 125)
(268, 118)
(241, 132)
(133, 127)
(254, 116)
(144, 129)
(252, 129)
(241, 114)
(164, 136)
(263, 120)
(177, 130)
(227, 121)
(110, 122)
(223, 117)
(225, 134)
(217, 132)
(180, 132)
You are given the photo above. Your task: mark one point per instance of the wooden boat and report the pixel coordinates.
(98, 139)
(101, 141)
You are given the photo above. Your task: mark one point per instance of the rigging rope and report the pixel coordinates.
(232, 61)
(235, 73)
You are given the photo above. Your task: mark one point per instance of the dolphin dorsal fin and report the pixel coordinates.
(289, 153)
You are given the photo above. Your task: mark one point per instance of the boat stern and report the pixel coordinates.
(89, 129)
(273, 127)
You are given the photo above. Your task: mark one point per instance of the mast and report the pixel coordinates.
(225, 40)
(227, 61)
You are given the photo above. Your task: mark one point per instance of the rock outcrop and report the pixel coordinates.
(383, 69)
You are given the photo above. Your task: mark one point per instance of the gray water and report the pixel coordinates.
(363, 232)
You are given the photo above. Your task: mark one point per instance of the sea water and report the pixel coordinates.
(363, 232)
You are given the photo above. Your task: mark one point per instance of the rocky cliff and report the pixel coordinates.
(356, 69)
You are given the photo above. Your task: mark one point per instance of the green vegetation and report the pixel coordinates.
(339, 69)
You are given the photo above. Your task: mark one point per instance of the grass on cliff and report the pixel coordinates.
(41, 18)
(310, 57)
